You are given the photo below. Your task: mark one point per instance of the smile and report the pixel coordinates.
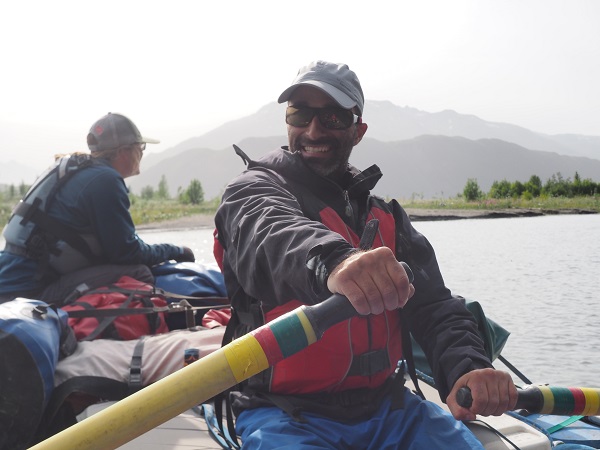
(316, 149)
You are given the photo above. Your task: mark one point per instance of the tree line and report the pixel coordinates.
(12, 192)
(193, 194)
(555, 186)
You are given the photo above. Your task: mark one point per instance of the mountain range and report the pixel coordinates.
(421, 154)
(424, 155)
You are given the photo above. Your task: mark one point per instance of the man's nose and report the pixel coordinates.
(315, 129)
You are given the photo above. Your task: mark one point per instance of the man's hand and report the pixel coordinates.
(373, 281)
(493, 393)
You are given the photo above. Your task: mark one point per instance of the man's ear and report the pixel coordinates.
(361, 129)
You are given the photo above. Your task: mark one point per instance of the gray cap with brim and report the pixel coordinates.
(336, 80)
(113, 131)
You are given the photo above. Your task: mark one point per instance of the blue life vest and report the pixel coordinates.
(32, 233)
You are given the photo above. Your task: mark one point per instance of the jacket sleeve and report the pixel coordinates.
(268, 240)
(439, 322)
(104, 203)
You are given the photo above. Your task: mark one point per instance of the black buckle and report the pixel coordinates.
(369, 363)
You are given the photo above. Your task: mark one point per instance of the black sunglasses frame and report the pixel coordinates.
(324, 115)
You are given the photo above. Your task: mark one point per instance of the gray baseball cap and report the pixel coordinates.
(336, 80)
(113, 131)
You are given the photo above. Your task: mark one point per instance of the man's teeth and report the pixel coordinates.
(319, 149)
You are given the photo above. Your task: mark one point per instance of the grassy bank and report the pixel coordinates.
(153, 211)
(588, 203)
(142, 211)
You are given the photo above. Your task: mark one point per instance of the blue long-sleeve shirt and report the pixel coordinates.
(93, 201)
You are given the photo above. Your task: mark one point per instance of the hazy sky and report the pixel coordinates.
(180, 68)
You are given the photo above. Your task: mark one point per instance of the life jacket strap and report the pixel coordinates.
(369, 363)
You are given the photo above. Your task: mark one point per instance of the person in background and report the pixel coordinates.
(74, 224)
(289, 231)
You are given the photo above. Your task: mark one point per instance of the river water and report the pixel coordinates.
(538, 277)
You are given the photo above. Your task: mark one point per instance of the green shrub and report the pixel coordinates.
(471, 192)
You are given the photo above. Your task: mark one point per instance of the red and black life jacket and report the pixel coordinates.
(359, 352)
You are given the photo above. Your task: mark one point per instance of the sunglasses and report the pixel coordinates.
(331, 118)
(140, 145)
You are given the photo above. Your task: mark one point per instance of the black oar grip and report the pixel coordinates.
(336, 308)
(324, 315)
(464, 397)
(530, 399)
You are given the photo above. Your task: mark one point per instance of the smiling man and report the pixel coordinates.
(296, 227)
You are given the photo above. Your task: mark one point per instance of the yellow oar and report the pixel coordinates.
(202, 380)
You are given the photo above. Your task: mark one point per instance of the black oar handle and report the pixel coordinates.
(530, 399)
(336, 309)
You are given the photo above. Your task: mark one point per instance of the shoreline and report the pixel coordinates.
(415, 214)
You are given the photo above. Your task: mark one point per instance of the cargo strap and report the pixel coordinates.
(110, 314)
(104, 388)
(135, 367)
(563, 424)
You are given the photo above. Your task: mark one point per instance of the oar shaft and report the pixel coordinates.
(549, 400)
(207, 377)
(202, 380)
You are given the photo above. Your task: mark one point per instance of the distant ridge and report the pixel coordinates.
(423, 154)
(388, 122)
(15, 173)
(424, 167)
(445, 148)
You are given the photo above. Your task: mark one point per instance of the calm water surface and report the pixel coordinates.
(537, 277)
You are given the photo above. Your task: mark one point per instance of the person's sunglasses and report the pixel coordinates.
(331, 118)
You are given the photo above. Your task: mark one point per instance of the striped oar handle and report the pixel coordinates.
(290, 333)
(560, 401)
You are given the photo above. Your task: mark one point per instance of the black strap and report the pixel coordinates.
(241, 154)
(369, 363)
(112, 312)
(408, 353)
(79, 291)
(32, 212)
(223, 397)
(369, 234)
(135, 367)
(90, 311)
(366, 243)
(154, 292)
(106, 321)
